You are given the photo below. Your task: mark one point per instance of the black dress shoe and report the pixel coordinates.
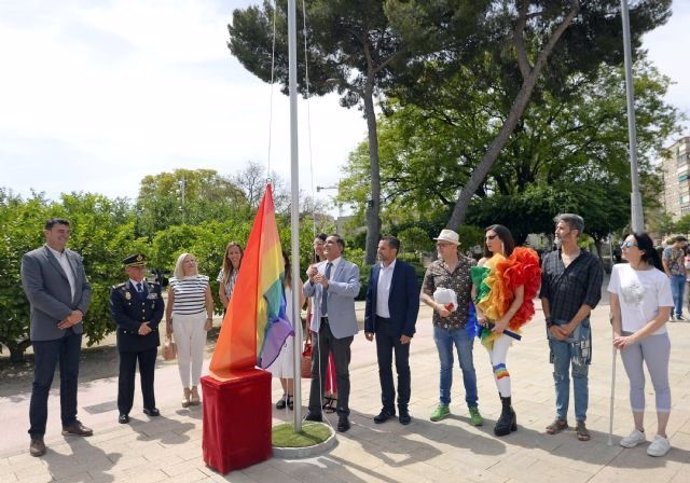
(77, 429)
(123, 419)
(343, 424)
(383, 416)
(404, 418)
(37, 447)
(152, 412)
(313, 417)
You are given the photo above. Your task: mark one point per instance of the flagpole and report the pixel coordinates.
(294, 215)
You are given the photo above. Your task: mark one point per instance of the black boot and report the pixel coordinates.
(507, 422)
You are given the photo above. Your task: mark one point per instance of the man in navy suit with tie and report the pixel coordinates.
(59, 293)
(390, 316)
(137, 307)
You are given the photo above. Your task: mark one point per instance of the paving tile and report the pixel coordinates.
(169, 448)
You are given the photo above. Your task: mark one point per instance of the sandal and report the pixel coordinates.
(330, 407)
(185, 399)
(557, 426)
(281, 404)
(582, 431)
(290, 404)
(194, 400)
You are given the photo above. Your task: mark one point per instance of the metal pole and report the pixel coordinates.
(294, 215)
(637, 217)
(613, 395)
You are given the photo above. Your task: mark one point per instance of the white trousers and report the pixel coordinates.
(190, 338)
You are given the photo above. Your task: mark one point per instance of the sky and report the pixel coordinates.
(97, 94)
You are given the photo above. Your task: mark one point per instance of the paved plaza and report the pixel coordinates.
(168, 448)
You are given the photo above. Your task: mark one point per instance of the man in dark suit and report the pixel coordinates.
(59, 294)
(334, 284)
(137, 307)
(390, 316)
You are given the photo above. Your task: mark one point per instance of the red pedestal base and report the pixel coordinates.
(237, 420)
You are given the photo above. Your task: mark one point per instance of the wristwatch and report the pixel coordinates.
(549, 323)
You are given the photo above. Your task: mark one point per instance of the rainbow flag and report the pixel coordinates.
(255, 325)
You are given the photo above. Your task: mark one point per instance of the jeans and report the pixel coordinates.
(562, 353)
(445, 339)
(677, 290)
(47, 355)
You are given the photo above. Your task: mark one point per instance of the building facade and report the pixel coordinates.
(676, 172)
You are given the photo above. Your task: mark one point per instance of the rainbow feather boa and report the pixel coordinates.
(496, 282)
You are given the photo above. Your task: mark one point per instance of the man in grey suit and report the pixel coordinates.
(55, 283)
(334, 284)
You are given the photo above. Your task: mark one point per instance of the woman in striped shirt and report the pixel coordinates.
(189, 315)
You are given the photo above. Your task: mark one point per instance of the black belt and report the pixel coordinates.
(324, 319)
(383, 319)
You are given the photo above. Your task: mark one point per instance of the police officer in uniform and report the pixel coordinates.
(137, 307)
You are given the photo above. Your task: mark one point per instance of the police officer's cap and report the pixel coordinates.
(136, 260)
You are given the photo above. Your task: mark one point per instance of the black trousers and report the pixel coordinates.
(340, 348)
(128, 366)
(47, 356)
(387, 344)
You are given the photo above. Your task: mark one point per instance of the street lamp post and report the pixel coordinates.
(636, 215)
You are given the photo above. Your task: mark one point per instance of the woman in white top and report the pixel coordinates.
(228, 273)
(282, 367)
(641, 303)
(189, 315)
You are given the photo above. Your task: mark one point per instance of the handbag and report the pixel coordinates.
(306, 360)
(169, 349)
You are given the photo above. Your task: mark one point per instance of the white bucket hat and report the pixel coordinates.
(449, 236)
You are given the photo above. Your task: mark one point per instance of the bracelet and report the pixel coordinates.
(548, 321)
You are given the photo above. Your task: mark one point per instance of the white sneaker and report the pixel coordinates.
(633, 439)
(659, 447)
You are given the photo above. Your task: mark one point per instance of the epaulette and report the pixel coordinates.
(119, 285)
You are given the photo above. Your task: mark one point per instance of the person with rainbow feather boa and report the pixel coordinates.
(504, 284)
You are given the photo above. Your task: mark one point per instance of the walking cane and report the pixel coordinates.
(613, 391)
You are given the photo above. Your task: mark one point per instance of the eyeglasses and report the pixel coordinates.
(491, 237)
(628, 244)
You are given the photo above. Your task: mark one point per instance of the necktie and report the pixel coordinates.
(140, 290)
(324, 294)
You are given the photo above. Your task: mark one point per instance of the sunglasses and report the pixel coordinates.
(628, 244)
(491, 237)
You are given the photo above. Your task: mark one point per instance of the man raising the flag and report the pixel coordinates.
(334, 284)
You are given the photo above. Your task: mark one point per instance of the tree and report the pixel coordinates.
(101, 232)
(581, 138)
(185, 196)
(350, 49)
(516, 41)
(21, 221)
(252, 181)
